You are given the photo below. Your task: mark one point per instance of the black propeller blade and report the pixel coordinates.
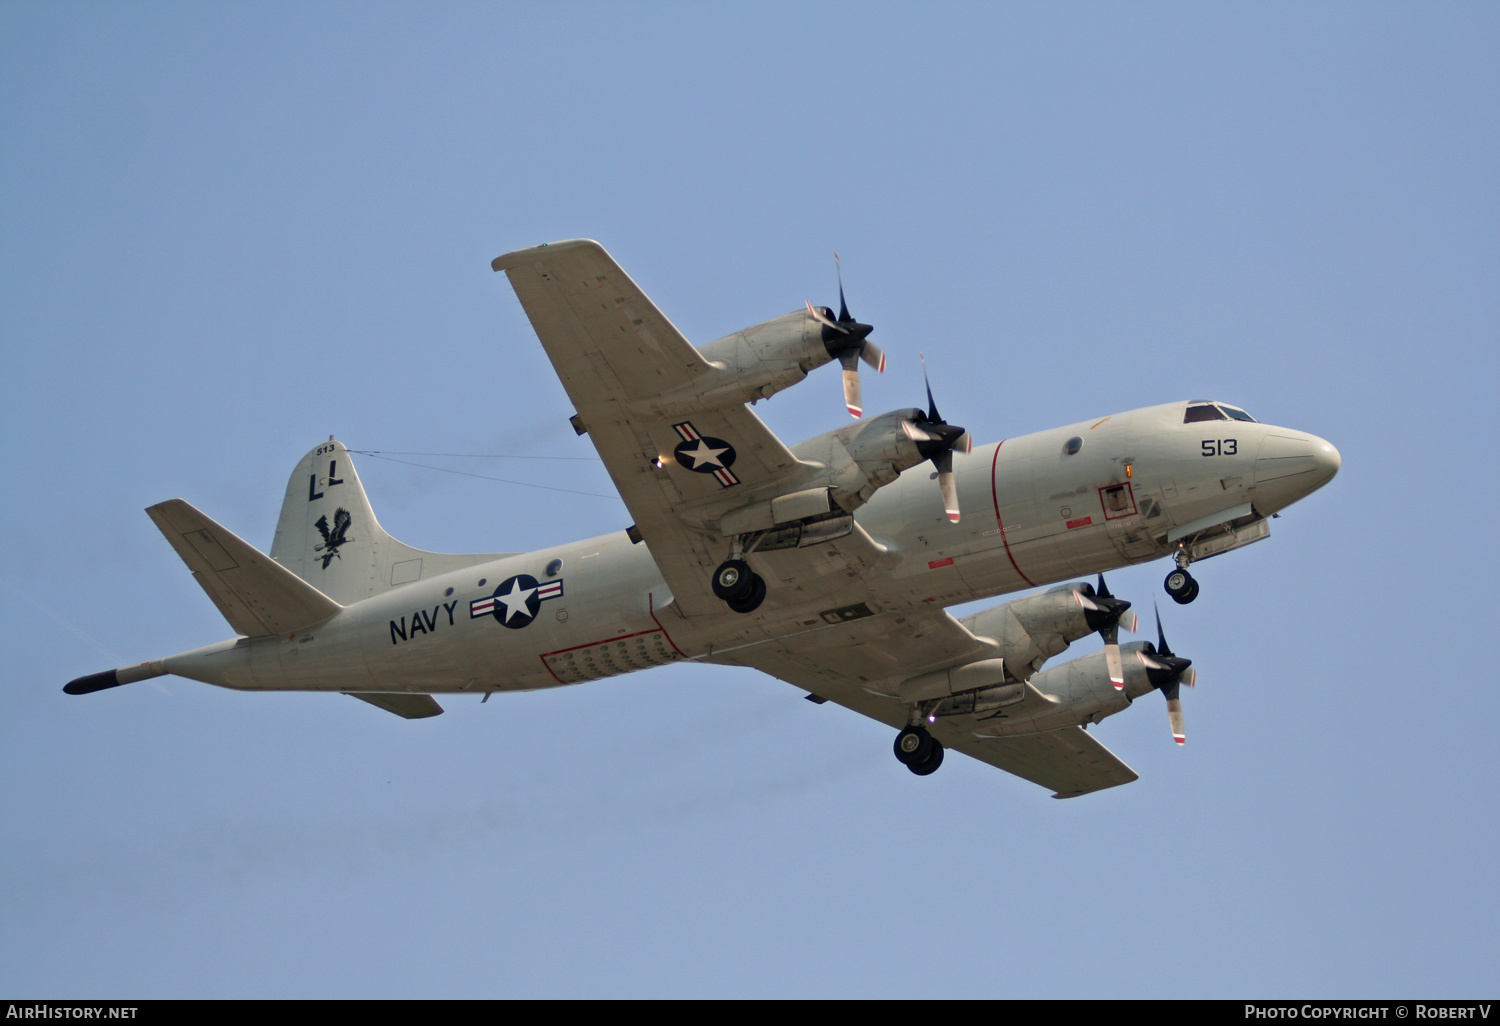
(1167, 672)
(847, 341)
(937, 440)
(1105, 614)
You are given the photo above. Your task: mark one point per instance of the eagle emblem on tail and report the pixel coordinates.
(334, 538)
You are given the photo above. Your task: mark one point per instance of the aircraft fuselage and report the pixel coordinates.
(1041, 508)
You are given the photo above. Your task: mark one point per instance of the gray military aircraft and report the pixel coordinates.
(827, 564)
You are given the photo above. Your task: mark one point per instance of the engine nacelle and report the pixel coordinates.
(749, 365)
(1026, 632)
(1033, 629)
(1072, 694)
(863, 457)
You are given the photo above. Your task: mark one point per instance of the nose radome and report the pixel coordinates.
(1327, 458)
(1292, 465)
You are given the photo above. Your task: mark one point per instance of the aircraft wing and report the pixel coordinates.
(860, 664)
(614, 350)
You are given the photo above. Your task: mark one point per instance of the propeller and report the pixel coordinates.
(847, 341)
(937, 440)
(1166, 673)
(1105, 614)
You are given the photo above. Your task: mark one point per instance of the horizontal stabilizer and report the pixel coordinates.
(256, 595)
(407, 706)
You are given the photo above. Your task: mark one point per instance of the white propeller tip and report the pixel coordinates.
(1179, 738)
(952, 516)
(881, 368)
(856, 412)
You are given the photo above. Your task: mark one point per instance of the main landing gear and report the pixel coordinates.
(741, 588)
(919, 751)
(1180, 584)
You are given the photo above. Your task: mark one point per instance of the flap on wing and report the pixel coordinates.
(575, 290)
(1070, 761)
(257, 595)
(410, 707)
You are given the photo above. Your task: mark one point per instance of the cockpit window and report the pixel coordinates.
(1204, 412)
(1235, 414)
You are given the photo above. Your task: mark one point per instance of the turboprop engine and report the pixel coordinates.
(765, 358)
(1012, 697)
(1032, 630)
(1081, 691)
(1026, 633)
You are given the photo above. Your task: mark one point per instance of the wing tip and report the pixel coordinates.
(505, 261)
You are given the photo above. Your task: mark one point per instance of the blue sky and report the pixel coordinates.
(230, 231)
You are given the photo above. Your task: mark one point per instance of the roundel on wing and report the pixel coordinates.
(705, 455)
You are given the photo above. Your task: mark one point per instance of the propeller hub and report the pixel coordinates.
(1166, 671)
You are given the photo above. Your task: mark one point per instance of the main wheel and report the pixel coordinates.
(752, 601)
(1181, 586)
(931, 763)
(733, 580)
(913, 745)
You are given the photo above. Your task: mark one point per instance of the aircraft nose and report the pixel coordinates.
(1291, 465)
(1327, 459)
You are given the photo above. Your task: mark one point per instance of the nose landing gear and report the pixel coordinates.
(1180, 584)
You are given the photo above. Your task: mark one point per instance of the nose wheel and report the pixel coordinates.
(741, 588)
(919, 751)
(1182, 586)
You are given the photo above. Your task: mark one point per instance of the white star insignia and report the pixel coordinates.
(704, 455)
(515, 600)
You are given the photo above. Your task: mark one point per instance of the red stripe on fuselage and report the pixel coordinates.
(651, 606)
(995, 496)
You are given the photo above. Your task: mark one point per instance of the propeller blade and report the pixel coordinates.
(1104, 612)
(843, 306)
(1174, 715)
(1176, 670)
(1112, 659)
(818, 316)
(871, 354)
(852, 401)
(1149, 663)
(915, 433)
(932, 413)
(950, 491)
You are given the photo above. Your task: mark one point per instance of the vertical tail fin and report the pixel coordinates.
(328, 535)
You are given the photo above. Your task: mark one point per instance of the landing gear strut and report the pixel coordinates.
(740, 587)
(1180, 584)
(919, 751)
